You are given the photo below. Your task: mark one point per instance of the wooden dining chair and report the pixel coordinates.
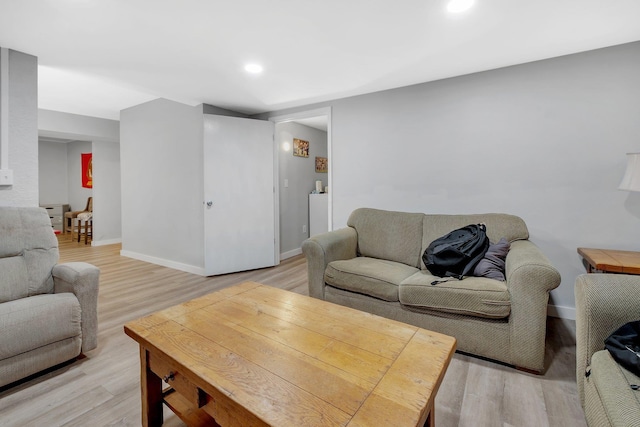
(69, 217)
(82, 225)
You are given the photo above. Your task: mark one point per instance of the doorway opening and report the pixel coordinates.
(61, 187)
(304, 190)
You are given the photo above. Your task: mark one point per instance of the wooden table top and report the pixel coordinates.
(292, 360)
(612, 261)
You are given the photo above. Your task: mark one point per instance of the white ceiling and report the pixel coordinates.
(320, 122)
(55, 140)
(97, 57)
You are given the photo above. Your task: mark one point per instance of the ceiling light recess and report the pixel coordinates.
(253, 68)
(459, 6)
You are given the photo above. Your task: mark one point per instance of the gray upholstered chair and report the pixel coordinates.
(604, 302)
(48, 311)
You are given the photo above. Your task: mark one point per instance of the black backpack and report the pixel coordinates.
(457, 253)
(624, 346)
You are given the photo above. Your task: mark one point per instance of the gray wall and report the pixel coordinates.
(212, 109)
(53, 173)
(107, 193)
(161, 145)
(300, 172)
(544, 140)
(23, 131)
(74, 126)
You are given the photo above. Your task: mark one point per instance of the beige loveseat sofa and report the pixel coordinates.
(604, 302)
(48, 311)
(375, 265)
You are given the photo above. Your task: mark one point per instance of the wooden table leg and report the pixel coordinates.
(431, 418)
(151, 391)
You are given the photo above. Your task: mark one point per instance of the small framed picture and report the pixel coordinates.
(300, 147)
(321, 164)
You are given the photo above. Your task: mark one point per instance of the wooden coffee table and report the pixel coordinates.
(253, 355)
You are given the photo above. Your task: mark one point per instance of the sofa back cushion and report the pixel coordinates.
(394, 236)
(28, 252)
(510, 227)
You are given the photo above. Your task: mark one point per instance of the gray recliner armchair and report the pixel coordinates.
(48, 311)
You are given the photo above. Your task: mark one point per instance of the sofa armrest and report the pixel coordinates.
(81, 279)
(530, 277)
(323, 248)
(604, 302)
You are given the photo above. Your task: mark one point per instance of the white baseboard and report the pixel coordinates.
(105, 242)
(290, 254)
(561, 312)
(164, 262)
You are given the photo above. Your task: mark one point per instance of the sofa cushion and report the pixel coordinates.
(613, 383)
(510, 227)
(394, 236)
(374, 277)
(475, 296)
(27, 244)
(493, 264)
(33, 322)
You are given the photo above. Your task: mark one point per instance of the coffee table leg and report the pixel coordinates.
(431, 419)
(151, 388)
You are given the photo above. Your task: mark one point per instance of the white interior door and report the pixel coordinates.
(239, 208)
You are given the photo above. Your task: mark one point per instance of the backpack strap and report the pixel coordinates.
(450, 276)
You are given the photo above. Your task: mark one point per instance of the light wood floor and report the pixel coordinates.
(102, 389)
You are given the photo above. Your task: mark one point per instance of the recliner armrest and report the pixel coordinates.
(323, 248)
(604, 302)
(81, 279)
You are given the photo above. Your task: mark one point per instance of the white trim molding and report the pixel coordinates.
(561, 312)
(105, 242)
(290, 254)
(164, 262)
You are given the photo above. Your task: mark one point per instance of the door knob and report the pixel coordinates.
(209, 203)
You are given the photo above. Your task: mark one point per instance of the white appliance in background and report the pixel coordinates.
(318, 214)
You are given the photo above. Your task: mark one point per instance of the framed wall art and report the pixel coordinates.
(300, 147)
(87, 169)
(321, 164)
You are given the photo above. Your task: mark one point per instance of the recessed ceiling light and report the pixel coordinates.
(458, 6)
(253, 68)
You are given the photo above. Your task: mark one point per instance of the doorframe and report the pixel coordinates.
(289, 117)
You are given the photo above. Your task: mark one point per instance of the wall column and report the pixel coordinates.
(18, 128)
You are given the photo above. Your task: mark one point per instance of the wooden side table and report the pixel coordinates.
(611, 261)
